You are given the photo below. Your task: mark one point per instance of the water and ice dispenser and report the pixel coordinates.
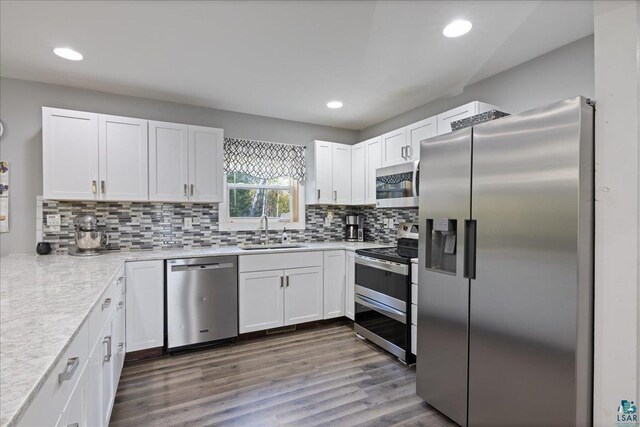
(441, 251)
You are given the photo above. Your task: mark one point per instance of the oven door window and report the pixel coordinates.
(394, 186)
(392, 284)
(382, 325)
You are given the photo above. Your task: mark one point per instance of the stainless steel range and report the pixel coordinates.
(383, 293)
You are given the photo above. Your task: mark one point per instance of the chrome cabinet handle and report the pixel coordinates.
(106, 303)
(120, 347)
(318, 195)
(94, 186)
(120, 305)
(73, 425)
(70, 369)
(287, 281)
(409, 151)
(103, 186)
(192, 187)
(185, 190)
(403, 152)
(121, 278)
(282, 281)
(107, 341)
(335, 195)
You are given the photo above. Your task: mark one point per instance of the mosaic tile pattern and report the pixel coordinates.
(374, 229)
(147, 225)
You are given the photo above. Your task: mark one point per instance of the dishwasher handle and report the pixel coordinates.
(199, 267)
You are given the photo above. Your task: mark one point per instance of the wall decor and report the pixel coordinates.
(4, 197)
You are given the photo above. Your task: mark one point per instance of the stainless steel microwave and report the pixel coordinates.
(397, 186)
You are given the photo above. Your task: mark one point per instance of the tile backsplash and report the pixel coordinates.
(147, 225)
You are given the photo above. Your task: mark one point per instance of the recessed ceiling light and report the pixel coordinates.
(334, 104)
(66, 53)
(457, 28)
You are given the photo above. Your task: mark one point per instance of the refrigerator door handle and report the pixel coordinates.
(470, 233)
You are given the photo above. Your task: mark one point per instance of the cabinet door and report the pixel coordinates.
(123, 154)
(168, 162)
(394, 147)
(373, 153)
(261, 300)
(341, 176)
(461, 112)
(303, 295)
(205, 164)
(93, 373)
(350, 268)
(76, 412)
(324, 172)
(69, 154)
(145, 305)
(108, 389)
(119, 347)
(334, 284)
(416, 132)
(358, 174)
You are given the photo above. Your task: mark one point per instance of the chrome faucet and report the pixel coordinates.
(266, 226)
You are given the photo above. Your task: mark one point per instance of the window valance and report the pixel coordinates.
(264, 159)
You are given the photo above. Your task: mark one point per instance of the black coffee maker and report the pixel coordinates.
(354, 228)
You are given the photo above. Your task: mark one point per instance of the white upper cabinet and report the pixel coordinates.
(330, 182)
(168, 162)
(373, 161)
(323, 154)
(462, 112)
(205, 164)
(358, 174)
(122, 143)
(69, 154)
(416, 132)
(394, 147)
(341, 174)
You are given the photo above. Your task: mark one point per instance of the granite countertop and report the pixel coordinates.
(45, 299)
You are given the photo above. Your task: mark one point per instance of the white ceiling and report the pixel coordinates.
(283, 59)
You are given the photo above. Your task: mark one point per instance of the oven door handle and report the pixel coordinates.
(393, 267)
(381, 308)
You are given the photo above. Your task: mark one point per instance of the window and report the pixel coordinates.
(249, 197)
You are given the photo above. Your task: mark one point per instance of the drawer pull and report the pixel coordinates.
(107, 341)
(120, 304)
(73, 425)
(120, 347)
(72, 365)
(106, 303)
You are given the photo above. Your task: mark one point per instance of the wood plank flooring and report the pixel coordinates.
(322, 376)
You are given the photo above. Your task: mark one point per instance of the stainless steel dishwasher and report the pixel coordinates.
(202, 300)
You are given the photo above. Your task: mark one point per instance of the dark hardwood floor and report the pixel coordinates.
(322, 376)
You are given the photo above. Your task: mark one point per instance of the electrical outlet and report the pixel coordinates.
(385, 222)
(390, 223)
(327, 222)
(188, 223)
(53, 228)
(53, 220)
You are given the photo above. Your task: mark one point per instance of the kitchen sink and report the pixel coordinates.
(248, 246)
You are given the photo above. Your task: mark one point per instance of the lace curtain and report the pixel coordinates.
(264, 159)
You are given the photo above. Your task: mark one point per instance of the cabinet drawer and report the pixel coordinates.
(49, 403)
(414, 314)
(414, 294)
(101, 312)
(414, 273)
(414, 339)
(279, 261)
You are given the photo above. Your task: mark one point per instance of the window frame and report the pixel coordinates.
(227, 223)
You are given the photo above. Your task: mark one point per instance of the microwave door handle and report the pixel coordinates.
(414, 187)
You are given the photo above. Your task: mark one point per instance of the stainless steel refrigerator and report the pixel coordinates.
(505, 300)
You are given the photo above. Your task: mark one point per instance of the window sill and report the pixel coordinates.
(255, 225)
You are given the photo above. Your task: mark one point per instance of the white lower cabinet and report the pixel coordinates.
(303, 297)
(76, 413)
(261, 300)
(350, 268)
(145, 305)
(334, 283)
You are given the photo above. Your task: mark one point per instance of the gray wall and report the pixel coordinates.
(21, 144)
(565, 72)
